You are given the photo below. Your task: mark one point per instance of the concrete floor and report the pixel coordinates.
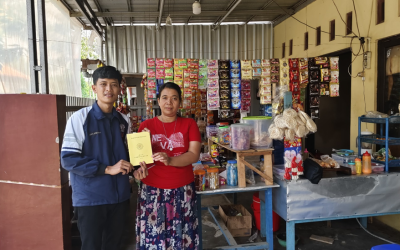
(347, 234)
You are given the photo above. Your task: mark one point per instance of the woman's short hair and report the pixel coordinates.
(170, 85)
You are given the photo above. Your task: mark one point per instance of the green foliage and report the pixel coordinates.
(87, 51)
(85, 87)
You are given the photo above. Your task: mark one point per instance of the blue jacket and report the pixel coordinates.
(91, 143)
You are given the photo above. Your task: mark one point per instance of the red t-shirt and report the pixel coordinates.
(169, 177)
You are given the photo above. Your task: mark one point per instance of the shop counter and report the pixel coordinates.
(342, 197)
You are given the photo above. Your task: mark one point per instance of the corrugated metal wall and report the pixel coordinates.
(127, 47)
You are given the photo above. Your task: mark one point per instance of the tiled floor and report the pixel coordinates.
(347, 234)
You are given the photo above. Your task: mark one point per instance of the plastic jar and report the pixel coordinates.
(199, 180)
(240, 136)
(352, 166)
(213, 178)
(212, 131)
(232, 173)
(223, 135)
(366, 163)
(358, 165)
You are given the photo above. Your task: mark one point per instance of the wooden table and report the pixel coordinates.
(241, 163)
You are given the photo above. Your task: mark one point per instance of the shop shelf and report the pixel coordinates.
(392, 163)
(379, 139)
(391, 119)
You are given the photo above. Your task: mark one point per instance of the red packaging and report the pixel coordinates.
(193, 83)
(151, 73)
(193, 63)
(246, 84)
(160, 63)
(151, 84)
(160, 73)
(294, 63)
(168, 62)
(193, 74)
(151, 63)
(246, 94)
(294, 75)
(186, 73)
(245, 106)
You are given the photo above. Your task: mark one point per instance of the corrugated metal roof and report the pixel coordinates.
(146, 11)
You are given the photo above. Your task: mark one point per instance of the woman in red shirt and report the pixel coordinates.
(166, 216)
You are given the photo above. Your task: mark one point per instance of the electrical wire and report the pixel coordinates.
(388, 241)
(355, 12)
(342, 17)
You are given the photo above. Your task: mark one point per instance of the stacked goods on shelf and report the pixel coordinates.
(149, 84)
(315, 90)
(213, 95)
(122, 103)
(334, 84)
(265, 84)
(303, 66)
(202, 86)
(193, 67)
(294, 81)
(225, 92)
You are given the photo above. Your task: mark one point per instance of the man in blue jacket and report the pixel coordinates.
(95, 154)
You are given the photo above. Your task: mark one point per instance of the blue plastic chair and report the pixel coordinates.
(386, 247)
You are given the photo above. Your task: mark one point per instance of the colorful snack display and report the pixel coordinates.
(245, 106)
(223, 74)
(151, 73)
(265, 72)
(324, 89)
(202, 83)
(256, 63)
(169, 73)
(325, 75)
(235, 64)
(203, 73)
(245, 64)
(193, 84)
(265, 80)
(160, 63)
(152, 94)
(203, 63)
(193, 63)
(151, 63)
(334, 63)
(235, 83)
(224, 94)
(236, 103)
(334, 89)
(304, 77)
(235, 93)
(314, 101)
(265, 99)
(193, 74)
(235, 73)
(212, 73)
(183, 63)
(186, 83)
(160, 73)
(179, 83)
(247, 73)
(178, 74)
(223, 64)
(256, 72)
(168, 63)
(212, 64)
(212, 103)
(294, 63)
(275, 69)
(334, 76)
(303, 63)
(246, 84)
(212, 93)
(224, 84)
(246, 94)
(225, 104)
(212, 83)
(274, 61)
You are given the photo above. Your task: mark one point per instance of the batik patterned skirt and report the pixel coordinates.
(166, 219)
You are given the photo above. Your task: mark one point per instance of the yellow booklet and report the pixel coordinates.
(139, 145)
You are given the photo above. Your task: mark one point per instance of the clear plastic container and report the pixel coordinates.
(213, 177)
(259, 137)
(240, 136)
(232, 174)
(211, 131)
(223, 135)
(199, 180)
(377, 168)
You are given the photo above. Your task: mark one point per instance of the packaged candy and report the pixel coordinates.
(198, 104)
(193, 63)
(212, 83)
(225, 104)
(265, 72)
(256, 72)
(224, 84)
(265, 63)
(325, 75)
(151, 63)
(334, 76)
(183, 63)
(304, 77)
(193, 103)
(236, 103)
(245, 64)
(193, 84)
(213, 104)
(314, 101)
(321, 60)
(178, 74)
(160, 73)
(186, 73)
(295, 87)
(224, 94)
(265, 90)
(283, 81)
(284, 63)
(274, 78)
(235, 73)
(203, 72)
(303, 63)
(313, 76)
(235, 93)
(274, 61)
(202, 83)
(314, 89)
(256, 63)
(203, 104)
(294, 63)
(265, 81)
(235, 64)
(187, 104)
(194, 73)
(268, 110)
(212, 93)
(312, 65)
(334, 89)
(284, 73)
(204, 112)
(186, 83)
(179, 83)
(314, 113)
(152, 94)
(294, 75)
(246, 84)
(245, 106)
(203, 63)
(247, 73)
(245, 94)
(275, 69)
(212, 73)
(160, 63)
(235, 83)
(176, 62)
(334, 63)
(168, 63)
(203, 94)
(151, 73)
(223, 74)
(223, 64)
(225, 114)
(212, 64)
(151, 84)
(324, 89)
(187, 94)
(266, 99)
(169, 73)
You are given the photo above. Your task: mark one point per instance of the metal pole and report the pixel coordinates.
(30, 8)
(44, 76)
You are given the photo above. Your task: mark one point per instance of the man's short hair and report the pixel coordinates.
(109, 72)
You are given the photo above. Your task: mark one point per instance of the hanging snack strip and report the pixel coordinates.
(203, 78)
(334, 83)
(303, 67)
(212, 85)
(193, 76)
(314, 88)
(265, 83)
(294, 76)
(224, 89)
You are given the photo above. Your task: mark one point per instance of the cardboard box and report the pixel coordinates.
(238, 226)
